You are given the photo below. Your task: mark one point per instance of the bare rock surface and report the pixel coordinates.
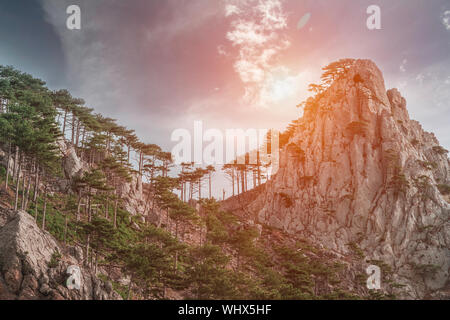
(34, 266)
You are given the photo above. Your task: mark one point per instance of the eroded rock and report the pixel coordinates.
(33, 265)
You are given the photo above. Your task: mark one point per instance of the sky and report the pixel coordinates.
(157, 66)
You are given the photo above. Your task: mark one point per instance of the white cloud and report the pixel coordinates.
(231, 9)
(446, 19)
(257, 31)
(447, 81)
(403, 65)
(420, 77)
(221, 50)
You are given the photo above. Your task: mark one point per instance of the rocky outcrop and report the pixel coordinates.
(34, 266)
(137, 197)
(358, 172)
(71, 164)
(73, 167)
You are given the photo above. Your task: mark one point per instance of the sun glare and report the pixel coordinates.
(281, 89)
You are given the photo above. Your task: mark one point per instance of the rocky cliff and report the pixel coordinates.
(358, 173)
(34, 266)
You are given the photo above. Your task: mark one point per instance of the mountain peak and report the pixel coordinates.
(357, 170)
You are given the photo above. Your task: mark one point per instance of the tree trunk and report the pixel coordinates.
(87, 250)
(232, 180)
(16, 162)
(129, 288)
(65, 229)
(176, 253)
(73, 129)
(36, 183)
(246, 179)
(259, 169)
(107, 207)
(88, 205)
(26, 193)
(64, 125)
(79, 205)
(16, 199)
(167, 220)
(83, 137)
(140, 163)
(44, 210)
(35, 211)
(210, 186)
(27, 197)
(36, 191)
(77, 134)
(8, 170)
(115, 210)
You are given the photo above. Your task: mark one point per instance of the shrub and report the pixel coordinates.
(54, 261)
(297, 151)
(2, 172)
(357, 78)
(357, 128)
(444, 189)
(287, 200)
(426, 269)
(356, 250)
(440, 150)
(427, 164)
(311, 106)
(305, 179)
(399, 183)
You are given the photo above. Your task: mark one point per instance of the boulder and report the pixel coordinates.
(34, 266)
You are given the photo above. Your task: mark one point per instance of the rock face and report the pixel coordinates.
(358, 171)
(34, 266)
(72, 165)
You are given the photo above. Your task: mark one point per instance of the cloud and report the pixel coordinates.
(257, 30)
(447, 81)
(403, 65)
(446, 19)
(133, 60)
(231, 9)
